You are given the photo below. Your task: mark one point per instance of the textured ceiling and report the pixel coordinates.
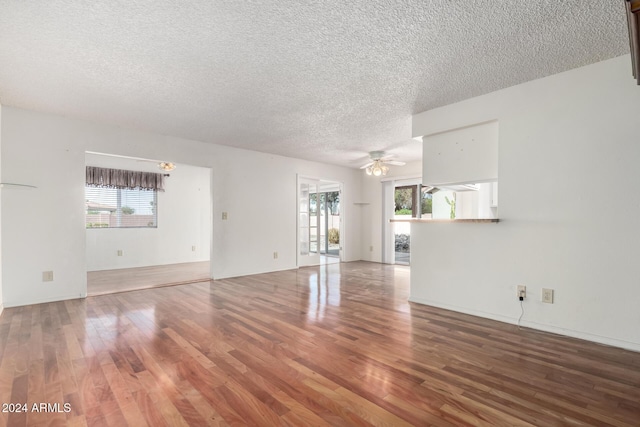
(320, 80)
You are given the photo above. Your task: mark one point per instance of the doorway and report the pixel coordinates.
(320, 231)
(143, 238)
(329, 213)
(403, 199)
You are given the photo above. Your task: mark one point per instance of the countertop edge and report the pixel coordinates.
(472, 220)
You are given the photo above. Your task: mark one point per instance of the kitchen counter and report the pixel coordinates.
(427, 220)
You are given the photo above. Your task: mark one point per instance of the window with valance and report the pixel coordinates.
(118, 198)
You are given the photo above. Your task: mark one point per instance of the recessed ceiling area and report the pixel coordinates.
(327, 81)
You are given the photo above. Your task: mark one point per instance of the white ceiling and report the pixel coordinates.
(322, 80)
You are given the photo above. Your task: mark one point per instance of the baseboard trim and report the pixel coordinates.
(627, 345)
(144, 266)
(45, 300)
(252, 274)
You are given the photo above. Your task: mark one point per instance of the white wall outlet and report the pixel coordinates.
(47, 276)
(547, 295)
(275, 255)
(225, 216)
(193, 248)
(120, 252)
(522, 291)
(371, 248)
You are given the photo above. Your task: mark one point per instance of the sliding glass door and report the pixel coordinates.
(329, 209)
(410, 201)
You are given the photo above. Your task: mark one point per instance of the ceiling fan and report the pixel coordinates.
(378, 164)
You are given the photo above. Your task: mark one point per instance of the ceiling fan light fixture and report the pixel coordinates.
(378, 165)
(166, 166)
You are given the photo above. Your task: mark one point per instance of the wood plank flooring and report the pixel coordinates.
(155, 276)
(320, 346)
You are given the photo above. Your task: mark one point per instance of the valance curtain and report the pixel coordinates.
(124, 179)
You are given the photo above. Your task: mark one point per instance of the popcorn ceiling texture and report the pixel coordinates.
(321, 80)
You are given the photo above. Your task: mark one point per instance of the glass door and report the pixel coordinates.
(405, 208)
(330, 223)
(407, 199)
(308, 222)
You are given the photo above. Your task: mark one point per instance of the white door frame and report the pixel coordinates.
(341, 222)
(388, 210)
(304, 254)
(307, 260)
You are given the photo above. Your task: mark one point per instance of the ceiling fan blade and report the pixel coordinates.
(394, 163)
(366, 166)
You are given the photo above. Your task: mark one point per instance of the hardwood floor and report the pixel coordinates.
(330, 345)
(155, 276)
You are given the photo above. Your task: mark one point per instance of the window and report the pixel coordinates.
(117, 198)
(121, 208)
(414, 200)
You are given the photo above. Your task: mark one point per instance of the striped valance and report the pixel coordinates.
(124, 179)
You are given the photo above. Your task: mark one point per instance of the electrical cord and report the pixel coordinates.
(521, 313)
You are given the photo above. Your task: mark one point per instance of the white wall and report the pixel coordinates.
(257, 190)
(184, 221)
(440, 208)
(1, 300)
(466, 155)
(568, 151)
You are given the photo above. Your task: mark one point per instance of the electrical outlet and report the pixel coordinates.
(193, 248)
(120, 252)
(522, 291)
(275, 255)
(547, 295)
(47, 276)
(225, 216)
(370, 248)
